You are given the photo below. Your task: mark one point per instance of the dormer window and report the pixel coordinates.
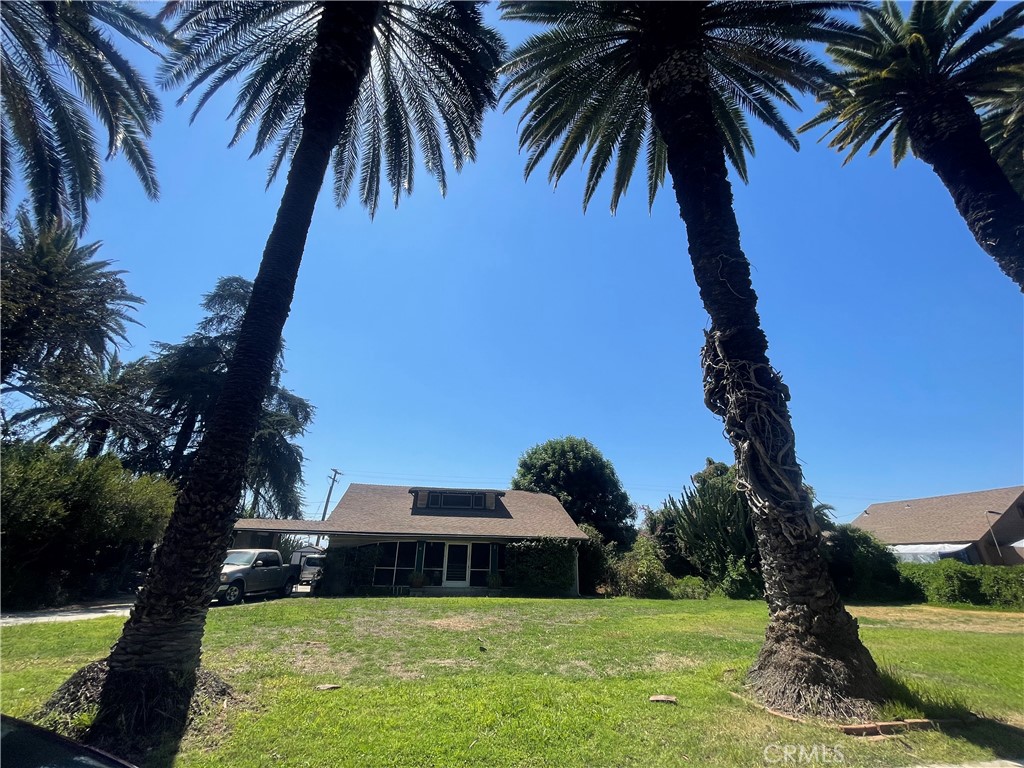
(454, 499)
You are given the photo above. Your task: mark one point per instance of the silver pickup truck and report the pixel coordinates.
(255, 571)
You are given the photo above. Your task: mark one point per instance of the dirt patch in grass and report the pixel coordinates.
(452, 663)
(462, 623)
(578, 668)
(402, 672)
(949, 619)
(672, 662)
(315, 658)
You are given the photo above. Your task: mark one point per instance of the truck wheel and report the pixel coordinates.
(286, 590)
(233, 594)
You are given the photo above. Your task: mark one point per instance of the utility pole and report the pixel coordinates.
(327, 501)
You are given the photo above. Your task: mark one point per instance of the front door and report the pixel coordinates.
(456, 566)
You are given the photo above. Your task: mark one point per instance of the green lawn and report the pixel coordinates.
(509, 682)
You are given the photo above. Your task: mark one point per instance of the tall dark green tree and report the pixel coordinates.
(61, 68)
(676, 82)
(102, 409)
(187, 380)
(576, 473)
(912, 79)
(361, 84)
(63, 312)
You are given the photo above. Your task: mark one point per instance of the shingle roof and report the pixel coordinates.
(962, 517)
(388, 510)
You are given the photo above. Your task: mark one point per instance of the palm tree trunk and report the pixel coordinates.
(153, 666)
(945, 132)
(812, 661)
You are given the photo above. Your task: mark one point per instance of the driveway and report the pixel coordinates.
(90, 610)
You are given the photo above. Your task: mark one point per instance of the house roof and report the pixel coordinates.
(961, 517)
(388, 510)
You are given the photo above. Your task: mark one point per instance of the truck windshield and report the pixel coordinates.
(314, 562)
(239, 558)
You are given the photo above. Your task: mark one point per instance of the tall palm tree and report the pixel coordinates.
(359, 83)
(913, 79)
(62, 311)
(60, 65)
(677, 81)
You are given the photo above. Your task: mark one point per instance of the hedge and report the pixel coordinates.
(950, 581)
(541, 566)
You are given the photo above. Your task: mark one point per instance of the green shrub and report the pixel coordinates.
(1003, 585)
(74, 528)
(714, 532)
(346, 569)
(690, 588)
(739, 581)
(860, 565)
(950, 581)
(597, 559)
(543, 566)
(641, 571)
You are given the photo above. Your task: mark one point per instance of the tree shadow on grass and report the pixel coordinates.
(147, 718)
(905, 701)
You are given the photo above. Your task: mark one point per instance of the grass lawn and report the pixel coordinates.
(509, 682)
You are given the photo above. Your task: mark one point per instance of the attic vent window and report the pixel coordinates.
(451, 500)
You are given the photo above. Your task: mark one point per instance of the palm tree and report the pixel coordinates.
(1002, 121)
(361, 83)
(676, 81)
(913, 79)
(57, 60)
(64, 312)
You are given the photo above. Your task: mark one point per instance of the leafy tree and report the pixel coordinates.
(72, 526)
(59, 60)
(63, 312)
(912, 79)
(575, 472)
(677, 81)
(358, 82)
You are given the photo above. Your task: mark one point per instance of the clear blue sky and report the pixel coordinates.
(442, 340)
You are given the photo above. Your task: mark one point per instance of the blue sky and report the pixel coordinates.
(440, 341)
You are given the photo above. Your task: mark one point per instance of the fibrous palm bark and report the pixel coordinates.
(159, 651)
(812, 660)
(946, 133)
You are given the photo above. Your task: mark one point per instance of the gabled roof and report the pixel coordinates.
(962, 517)
(389, 510)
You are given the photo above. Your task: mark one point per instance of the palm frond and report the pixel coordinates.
(432, 70)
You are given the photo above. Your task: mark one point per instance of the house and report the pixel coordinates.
(455, 537)
(979, 527)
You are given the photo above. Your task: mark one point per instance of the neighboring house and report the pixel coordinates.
(456, 537)
(980, 527)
